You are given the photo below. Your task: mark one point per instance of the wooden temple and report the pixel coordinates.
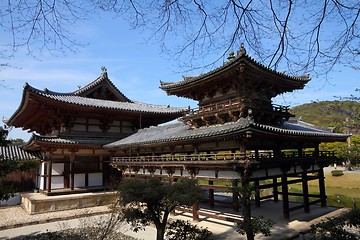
(71, 129)
(235, 137)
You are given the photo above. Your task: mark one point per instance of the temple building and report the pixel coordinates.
(235, 137)
(71, 129)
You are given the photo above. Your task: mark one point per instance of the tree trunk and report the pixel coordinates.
(247, 207)
(160, 231)
(161, 226)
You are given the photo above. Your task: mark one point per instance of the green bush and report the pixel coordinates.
(184, 230)
(337, 173)
(258, 225)
(342, 227)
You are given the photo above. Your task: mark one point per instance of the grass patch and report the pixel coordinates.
(341, 191)
(349, 180)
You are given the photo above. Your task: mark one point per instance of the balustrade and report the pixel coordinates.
(263, 156)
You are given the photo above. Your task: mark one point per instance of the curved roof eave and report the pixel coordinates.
(184, 133)
(22, 105)
(87, 142)
(106, 104)
(242, 56)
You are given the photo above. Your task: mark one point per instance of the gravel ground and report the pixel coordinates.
(16, 216)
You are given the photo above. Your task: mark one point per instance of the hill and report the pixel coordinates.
(343, 115)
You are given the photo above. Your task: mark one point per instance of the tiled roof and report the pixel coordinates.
(71, 140)
(180, 132)
(106, 104)
(99, 80)
(15, 152)
(241, 56)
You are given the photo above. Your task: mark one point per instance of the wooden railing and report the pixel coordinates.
(233, 103)
(263, 156)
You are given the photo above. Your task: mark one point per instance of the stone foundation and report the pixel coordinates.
(38, 203)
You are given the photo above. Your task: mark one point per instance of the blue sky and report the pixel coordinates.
(135, 66)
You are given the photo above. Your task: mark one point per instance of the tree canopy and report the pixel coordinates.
(149, 200)
(297, 35)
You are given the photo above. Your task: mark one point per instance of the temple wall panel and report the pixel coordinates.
(79, 180)
(57, 182)
(42, 168)
(158, 172)
(94, 121)
(78, 128)
(228, 174)
(114, 129)
(207, 146)
(177, 172)
(127, 124)
(95, 179)
(206, 173)
(41, 183)
(41, 179)
(57, 169)
(93, 128)
(80, 120)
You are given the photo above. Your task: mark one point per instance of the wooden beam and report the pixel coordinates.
(285, 197)
(305, 189)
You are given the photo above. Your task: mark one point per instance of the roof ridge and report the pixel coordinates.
(241, 54)
(97, 81)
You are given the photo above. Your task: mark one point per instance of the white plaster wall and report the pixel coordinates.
(57, 168)
(42, 168)
(41, 183)
(41, 180)
(79, 180)
(228, 174)
(157, 172)
(177, 173)
(95, 179)
(204, 173)
(57, 182)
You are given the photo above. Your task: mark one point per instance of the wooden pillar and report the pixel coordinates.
(257, 193)
(246, 206)
(211, 196)
(275, 190)
(49, 170)
(316, 149)
(285, 196)
(322, 187)
(305, 190)
(235, 196)
(72, 170)
(44, 167)
(195, 212)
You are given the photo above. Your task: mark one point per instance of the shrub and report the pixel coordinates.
(258, 225)
(342, 227)
(337, 173)
(184, 230)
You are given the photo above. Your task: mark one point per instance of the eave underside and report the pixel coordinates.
(39, 113)
(239, 73)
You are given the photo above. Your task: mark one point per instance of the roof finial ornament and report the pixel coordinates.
(231, 55)
(104, 71)
(242, 50)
